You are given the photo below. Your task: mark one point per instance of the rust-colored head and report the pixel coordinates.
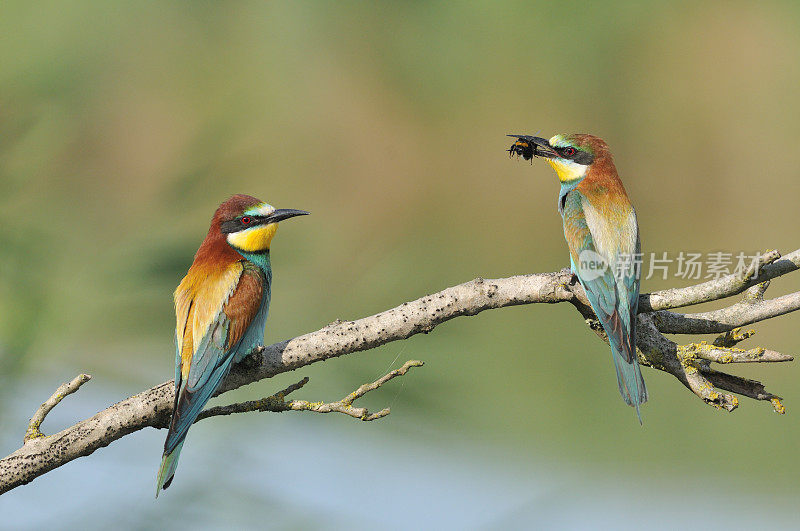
(241, 225)
(586, 143)
(234, 207)
(571, 155)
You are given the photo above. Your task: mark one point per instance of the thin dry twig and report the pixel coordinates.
(34, 431)
(740, 314)
(278, 403)
(723, 355)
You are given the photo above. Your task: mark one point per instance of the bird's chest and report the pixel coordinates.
(613, 228)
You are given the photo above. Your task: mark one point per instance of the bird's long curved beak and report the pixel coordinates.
(531, 146)
(284, 213)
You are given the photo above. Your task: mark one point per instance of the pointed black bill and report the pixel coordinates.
(528, 146)
(284, 213)
(247, 221)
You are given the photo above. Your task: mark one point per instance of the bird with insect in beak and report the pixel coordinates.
(603, 239)
(221, 307)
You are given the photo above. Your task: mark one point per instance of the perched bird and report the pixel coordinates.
(221, 307)
(603, 239)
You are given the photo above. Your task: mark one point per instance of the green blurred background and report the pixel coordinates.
(124, 125)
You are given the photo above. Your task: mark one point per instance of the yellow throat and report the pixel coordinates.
(255, 239)
(567, 170)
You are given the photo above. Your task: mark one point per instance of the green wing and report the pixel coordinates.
(614, 302)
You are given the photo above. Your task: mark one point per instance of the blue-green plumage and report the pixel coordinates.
(603, 238)
(221, 308)
(614, 296)
(213, 363)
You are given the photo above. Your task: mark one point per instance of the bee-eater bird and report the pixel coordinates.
(221, 307)
(603, 239)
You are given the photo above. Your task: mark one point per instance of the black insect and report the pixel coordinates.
(522, 147)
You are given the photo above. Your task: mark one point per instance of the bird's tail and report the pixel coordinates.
(167, 470)
(630, 380)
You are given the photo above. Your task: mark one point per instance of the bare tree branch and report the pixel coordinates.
(724, 355)
(769, 267)
(690, 364)
(63, 390)
(741, 314)
(751, 309)
(277, 402)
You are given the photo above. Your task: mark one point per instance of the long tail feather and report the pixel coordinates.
(167, 470)
(187, 407)
(631, 382)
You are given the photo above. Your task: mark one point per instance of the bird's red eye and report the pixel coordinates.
(247, 220)
(569, 151)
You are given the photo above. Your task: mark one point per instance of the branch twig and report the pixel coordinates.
(723, 355)
(34, 431)
(769, 267)
(277, 402)
(740, 314)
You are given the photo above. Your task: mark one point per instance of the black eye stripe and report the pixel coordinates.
(579, 156)
(235, 225)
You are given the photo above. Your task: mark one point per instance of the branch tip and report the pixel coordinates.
(34, 431)
(777, 406)
(732, 337)
(752, 272)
